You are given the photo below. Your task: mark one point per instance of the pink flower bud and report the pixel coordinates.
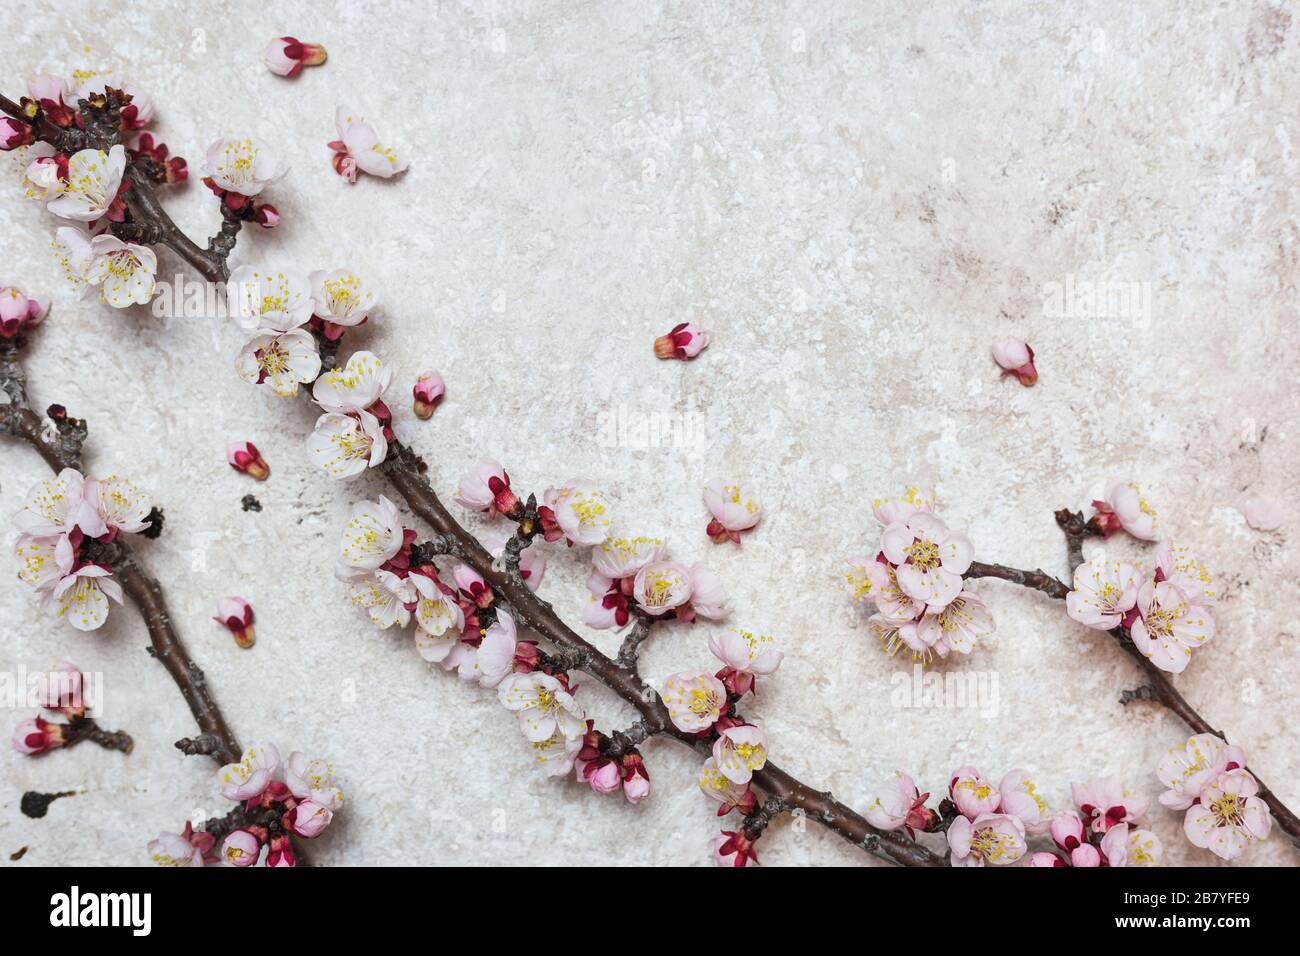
(428, 390)
(1016, 358)
(685, 341)
(281, 853)
(733, 849)
(61, 691)
(244, 456)
(14, 133)
(603, 775)
(472, 586)
(266, 216)
(1085, 855)
(636, 779)
(1046, 859)
(236, 615)
(1067, 830)
(240, 848)
(18, 313)
(36, 735)
(308, 818)
(286, 56)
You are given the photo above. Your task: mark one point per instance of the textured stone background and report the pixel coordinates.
(856, 199)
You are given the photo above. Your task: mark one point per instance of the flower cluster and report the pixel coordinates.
(358, 149)
(915, 582)
(1102, 831)
(1208, 778)
(277, 799)
(635, 577)
(60, 692)
(1165, 610)
(61, 524)
(18, 313)
(992, 821)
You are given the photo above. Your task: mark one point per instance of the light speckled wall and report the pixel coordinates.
(857, 200)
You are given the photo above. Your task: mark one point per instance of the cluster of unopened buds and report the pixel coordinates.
(63, 524)
(916, 583)
(61, 692)
(1166, 610)
(277, 800)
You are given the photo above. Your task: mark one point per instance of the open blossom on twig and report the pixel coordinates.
(1229, 816)
(358, 149)
(188, 848)
(929, 559)
(899, 803)
(695, 700)
(746, 657)
(312, 779)
(357, 387)
(286, 56)
(739, 751)
(486, 488)
(123, 272)
(279, 361)
(685, 341)
(387, 597)
(18, 313)
(264, 300)
(1020, 798)
(1263, 514)
(544, 706)
(1016, 358)
(428, 392)
(996, 838)
(251, 775)
(734, 509)
(662, 586)
(242, 167)
(1188, 768)
(240, 848)
(729, 794)
(577, 511)
(734, 848)
(1105, 802)
(971, 793)
(341, 300)
(346, 445)
(1169, 627)
(244, 456)
(1104, 592)
(373, 537)
(90, 189)
(913, 500)
(1176, 565)
(1124, 507)
(44, 171)
(236, 615)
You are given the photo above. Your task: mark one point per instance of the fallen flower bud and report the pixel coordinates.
(235, 614)
(286, 56)
(429, 390)
(1016, 358)
(685, 341)
(244, 456)
(36, 735)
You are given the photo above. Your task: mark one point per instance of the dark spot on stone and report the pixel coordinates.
(36, 804)
(18, 854)
(249, 503)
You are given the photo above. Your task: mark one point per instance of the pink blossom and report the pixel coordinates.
(604, 775)
(995, 838)
(15, 134)
(428, 391)
(915, 498)
(61, 691)
(734, 508)
(280, 853)
(308, 819)
(685, 341)
(739, 751)
(1188, 768)
(286, 56)
(1263, 514)
(497, 652)
(618, 558)
(1104, 803)
(1230, 815)
(745, 656)
(1021, 799)
(240, 848)
(358, 149)
(1016, 358)
(1046, 859)
(251, 775)
(695, 700)
(1123, 846)
(486, 488)
(662, 586)
(36, 735)
(577, 511)
(1177, 566)
(543, 704)
(1104, 591)
(1169, 627)
(729, 794)
(312, 779)
(898, 803)
(734, 848)
(236, 615)
(709, 597)
(1124, 507)
(244, 456)
(18, 313)
(636, 779)
(930, 559)
(189, 848)
(242, 167)
(972, 794)
(1067, 830)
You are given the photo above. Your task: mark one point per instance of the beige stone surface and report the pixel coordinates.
(856, 199)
